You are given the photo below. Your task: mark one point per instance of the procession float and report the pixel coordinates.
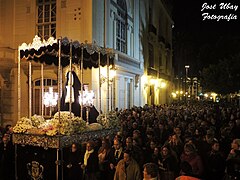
(40, 141)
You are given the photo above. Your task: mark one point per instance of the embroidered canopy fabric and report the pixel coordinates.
(48, 51)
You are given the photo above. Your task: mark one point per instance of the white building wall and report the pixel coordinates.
(84, 20)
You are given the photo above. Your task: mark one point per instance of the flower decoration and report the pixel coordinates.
(109, 120)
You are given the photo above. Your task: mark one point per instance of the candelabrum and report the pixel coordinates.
(50, 99)
(86, 99)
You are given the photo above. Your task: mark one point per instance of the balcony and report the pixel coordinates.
(152, 72)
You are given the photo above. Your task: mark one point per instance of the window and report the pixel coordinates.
(121, 26)
(46, 20)
(151, 55)
(160, 59)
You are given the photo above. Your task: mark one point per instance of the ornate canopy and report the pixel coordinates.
(48, 51)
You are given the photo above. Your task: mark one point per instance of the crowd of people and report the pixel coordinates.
(177, 141)
(167, 142)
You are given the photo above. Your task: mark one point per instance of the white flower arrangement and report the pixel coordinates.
(37, 120)
(23, 125)
(108, 120)
(66, 124)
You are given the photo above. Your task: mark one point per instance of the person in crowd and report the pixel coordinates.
(233, 160)
(150, 150)
(137, 136)
(215, 165)
(235, 151)
(161, 133)
(178, 132)
(137, 153)
(175, 143)
(127, 168)
(74, 171)
(186, 172)
(104, 158)
(90, 162)
(191, 156)
(6, 159)
(156, 156)
(150, 172)
(169, 164)
(236, 129)
(116, 154)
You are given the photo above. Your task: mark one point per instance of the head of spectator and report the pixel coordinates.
(134, 125)
(117, 144)
(5, 139)
(74, 147)
(150, 171)
(237, 122)
(235, 144)
(135, 142)
(90, 146)
(105, 145)
(178, 131)
(129, 143)
(175, 140)
(136, 133)
(215, 146)
(198, 133)
(150, 134)
(127, 156)
(152, 144)
(165, 151)
(189, 149)
(156, 152)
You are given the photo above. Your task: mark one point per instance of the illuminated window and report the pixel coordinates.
(46, 20)
(121, 26)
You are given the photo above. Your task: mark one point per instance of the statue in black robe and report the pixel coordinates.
(75, 88)
(65, 99)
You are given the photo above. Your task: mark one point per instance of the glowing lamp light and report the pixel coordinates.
(174, 95)
(163, 85)
(50, 98)
(152, 81)
(213, 94)
(87, 98)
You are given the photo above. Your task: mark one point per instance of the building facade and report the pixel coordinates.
(138, 33)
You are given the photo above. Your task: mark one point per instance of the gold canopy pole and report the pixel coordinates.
(107, 83)
(100, 83)
(59, 99)
(42, 90)
(30, 89)
(82, 81)
(70, 79)
(19, 85)
(59, 78)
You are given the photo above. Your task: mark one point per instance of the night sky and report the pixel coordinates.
(196, 36)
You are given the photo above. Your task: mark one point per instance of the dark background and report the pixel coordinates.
(200, 43)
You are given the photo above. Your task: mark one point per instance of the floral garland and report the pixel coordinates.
(109, 120)
(65, 124)
(23, 125)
